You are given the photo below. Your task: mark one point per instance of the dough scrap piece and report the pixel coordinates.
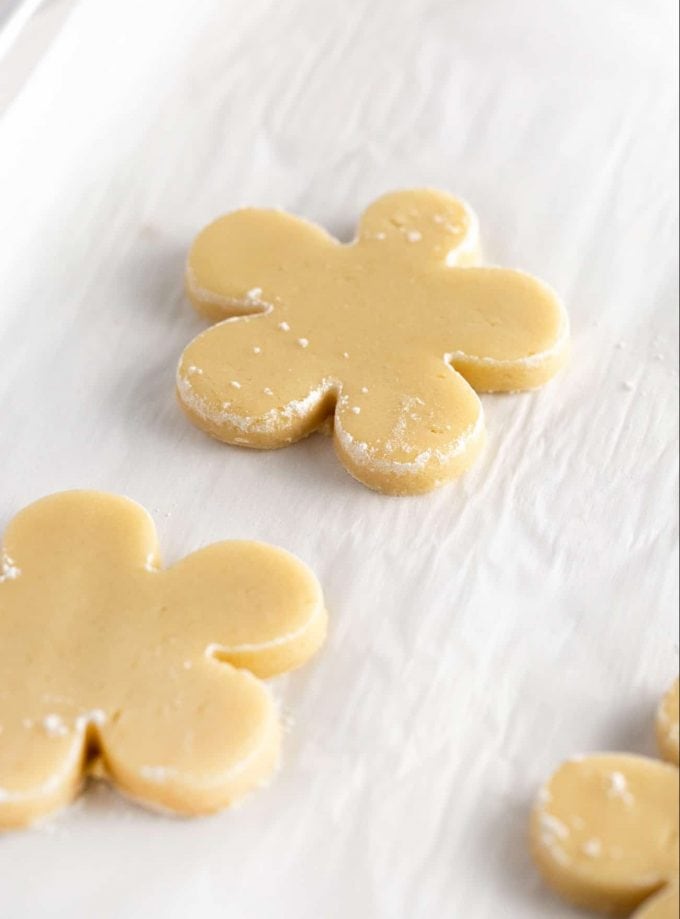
(604, 833)
(667, 725)
(147, 675)
(392, 334)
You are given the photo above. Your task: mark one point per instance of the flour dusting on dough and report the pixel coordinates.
(552, 831)
(238, 307)
(592, 848)
(151, 563)
(8, 568)
(54, 725)
(94, 716)
(266, 423)
(373, 456)
(618, 788)
(157, 773)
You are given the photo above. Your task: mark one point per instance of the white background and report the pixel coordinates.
(479, 634)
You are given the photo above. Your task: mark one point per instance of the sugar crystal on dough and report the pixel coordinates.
(8, 568)
(54, 726)
(150, 563)
(618, 787)
(592, 848)
(156, 773)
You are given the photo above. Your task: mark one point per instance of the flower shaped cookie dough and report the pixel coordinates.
(150, 673)
(391, 335)
(604, 829)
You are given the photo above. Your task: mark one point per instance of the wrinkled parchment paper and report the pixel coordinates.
(479, 634)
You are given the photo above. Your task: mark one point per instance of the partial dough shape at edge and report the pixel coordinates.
(581, 887)
(77, 745)
(666, 725)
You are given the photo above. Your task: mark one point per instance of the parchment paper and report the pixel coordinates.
(479, 634)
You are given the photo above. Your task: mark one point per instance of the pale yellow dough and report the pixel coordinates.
(391, 334)
(667, 725)
(604, 833)
(149, 675)
(665, 905)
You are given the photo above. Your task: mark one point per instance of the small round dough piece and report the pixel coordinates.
(667, 726)
(604, 830)
(665, 905)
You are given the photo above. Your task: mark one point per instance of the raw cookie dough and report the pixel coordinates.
(604, 832)
(391, 334)
(667, 725)
(150, 675)
(665, 905)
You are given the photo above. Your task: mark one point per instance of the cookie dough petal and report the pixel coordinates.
(193, 739)
(423, 225)
(40, 770)
(70, 530)
(605, 830)
(503, 330)
(251, 604)
(249, 382)
(667, 725)
(416, 426)
(245, 260)
(665, 905)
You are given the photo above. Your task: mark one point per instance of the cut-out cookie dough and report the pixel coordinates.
(391, 334)
(667, 725)
(150, 675)
(604, 833)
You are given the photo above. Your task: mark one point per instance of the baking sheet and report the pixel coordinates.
(479, 634)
